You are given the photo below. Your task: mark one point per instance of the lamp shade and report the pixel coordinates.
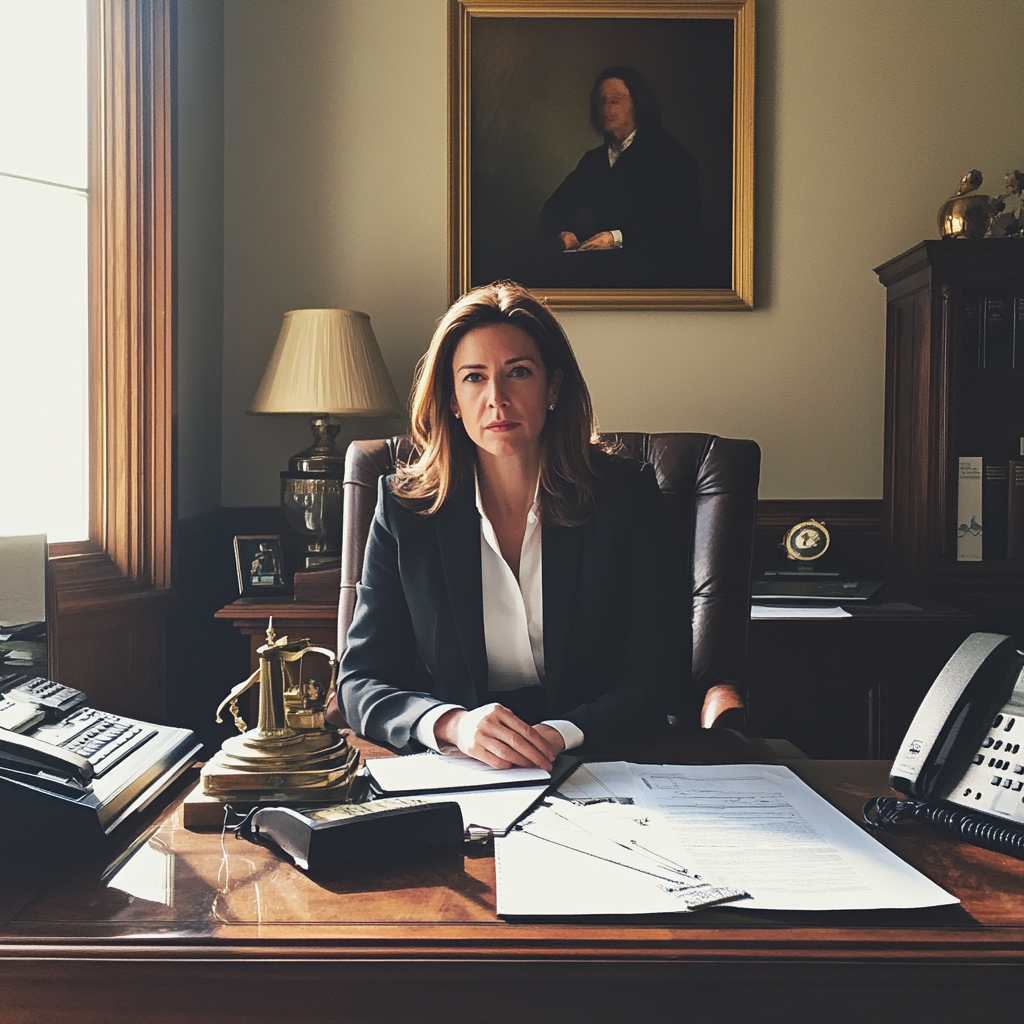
(327, 362)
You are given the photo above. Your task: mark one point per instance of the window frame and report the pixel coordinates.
(131, 329)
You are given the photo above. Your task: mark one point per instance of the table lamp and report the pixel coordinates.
(326, 363)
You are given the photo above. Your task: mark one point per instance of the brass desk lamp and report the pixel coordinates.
(292, 754)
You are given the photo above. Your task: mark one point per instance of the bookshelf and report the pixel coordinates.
(954, 386)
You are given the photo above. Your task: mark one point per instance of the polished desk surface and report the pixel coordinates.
(237, 924)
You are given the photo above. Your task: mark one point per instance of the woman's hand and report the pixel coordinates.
(724, 707)
(496, 736)
(553, 738)
(602, 240)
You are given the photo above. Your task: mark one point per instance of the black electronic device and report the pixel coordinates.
(71, 779)
(56, 701)
(961, 763)
(69, 774)
(344, 834)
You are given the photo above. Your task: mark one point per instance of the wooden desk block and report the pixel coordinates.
(222, 930)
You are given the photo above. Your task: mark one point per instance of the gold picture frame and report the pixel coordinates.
(515, 131)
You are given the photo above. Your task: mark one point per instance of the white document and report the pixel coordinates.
(495, 810)
(565, 860)
(761, 828)
(431, 772)
(605, 780)
(778, 611)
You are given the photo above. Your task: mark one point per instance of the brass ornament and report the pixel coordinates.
(968, 214)
(292, 754)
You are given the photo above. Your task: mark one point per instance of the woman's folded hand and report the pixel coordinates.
(496, 736)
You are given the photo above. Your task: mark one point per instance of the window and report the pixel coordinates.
(44, 268)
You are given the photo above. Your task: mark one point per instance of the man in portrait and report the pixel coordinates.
(628, 215)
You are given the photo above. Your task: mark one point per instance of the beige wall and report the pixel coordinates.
(868, 113)
(200, 254)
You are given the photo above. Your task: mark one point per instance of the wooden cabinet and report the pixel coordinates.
(944, 400)
(848, 688)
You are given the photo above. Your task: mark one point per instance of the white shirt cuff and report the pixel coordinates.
(423, 730)
(616, 244)
(572, 734)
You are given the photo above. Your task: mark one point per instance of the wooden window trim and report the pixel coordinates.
(131, 322)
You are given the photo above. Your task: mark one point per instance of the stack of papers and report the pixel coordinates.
(491, 799)
(430, 772)
(794, 611)
(752, 835)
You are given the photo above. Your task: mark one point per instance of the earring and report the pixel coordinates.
(458, 415)
(551, 407)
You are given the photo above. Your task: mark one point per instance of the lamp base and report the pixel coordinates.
(323, 455)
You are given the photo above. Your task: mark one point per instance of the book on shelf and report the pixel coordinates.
(969, 510)
(1015, 510)
(997, 333)
(994, 510)
(992, 333)
(970, 335)
(1018, 335)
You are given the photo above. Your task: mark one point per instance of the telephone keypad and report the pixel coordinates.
(102, 737)
(987, 741)
(54, 699)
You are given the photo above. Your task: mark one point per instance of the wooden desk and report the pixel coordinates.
(226, 932)
(835, 688)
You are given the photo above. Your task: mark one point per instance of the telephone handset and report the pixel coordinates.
(70, 774)
(961, 763)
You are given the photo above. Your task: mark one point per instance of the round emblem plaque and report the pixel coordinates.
(806, 541)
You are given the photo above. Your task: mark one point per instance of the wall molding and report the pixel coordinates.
(860, 515)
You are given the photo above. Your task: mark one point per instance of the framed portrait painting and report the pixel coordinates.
(601, 152)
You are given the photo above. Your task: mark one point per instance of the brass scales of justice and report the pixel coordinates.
(292, 754)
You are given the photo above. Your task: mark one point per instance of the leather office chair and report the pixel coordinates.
(710, 485)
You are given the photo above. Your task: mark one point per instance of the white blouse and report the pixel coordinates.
(513, 622)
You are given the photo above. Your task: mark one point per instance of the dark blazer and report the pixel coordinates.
(616, 638)
(651, 195)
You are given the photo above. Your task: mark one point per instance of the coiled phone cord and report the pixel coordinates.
(887, 811)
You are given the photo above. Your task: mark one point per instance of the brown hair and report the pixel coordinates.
(446, 454)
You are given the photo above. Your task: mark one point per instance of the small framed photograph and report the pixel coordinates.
(260, 565)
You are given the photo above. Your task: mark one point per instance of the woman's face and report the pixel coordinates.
(502, 391)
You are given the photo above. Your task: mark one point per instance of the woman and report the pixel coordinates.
(517, 598)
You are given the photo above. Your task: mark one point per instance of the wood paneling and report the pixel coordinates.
(855, 526)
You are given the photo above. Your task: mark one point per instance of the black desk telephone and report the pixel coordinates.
(71, 774)
(961, 764)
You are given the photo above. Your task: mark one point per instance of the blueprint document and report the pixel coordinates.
(742, 829)
(762, 828)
